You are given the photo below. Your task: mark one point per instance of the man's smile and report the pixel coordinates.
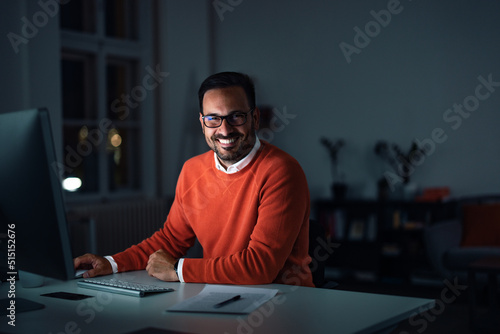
(227, 143)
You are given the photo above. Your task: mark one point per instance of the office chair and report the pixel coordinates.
(317, 239)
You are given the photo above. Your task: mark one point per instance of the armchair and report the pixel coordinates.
(454, 244)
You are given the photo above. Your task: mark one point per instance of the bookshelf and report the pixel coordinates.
(381, 240)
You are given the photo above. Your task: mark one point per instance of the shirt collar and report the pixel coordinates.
(240, 164)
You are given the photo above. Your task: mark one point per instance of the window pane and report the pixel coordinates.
(105, 162)
(123, 156)
(123, 98)
(81, 155)
(78, 15)
(78, 89)
(121, 18)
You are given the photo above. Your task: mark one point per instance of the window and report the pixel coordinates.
(106, 50)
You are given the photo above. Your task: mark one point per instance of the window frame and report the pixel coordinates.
(142, 51)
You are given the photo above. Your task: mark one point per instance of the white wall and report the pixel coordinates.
(427, 58)
(30, 69)
(185, 53)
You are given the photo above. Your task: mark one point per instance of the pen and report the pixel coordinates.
(230, 300)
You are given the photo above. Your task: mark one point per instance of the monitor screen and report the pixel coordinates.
(32, 211)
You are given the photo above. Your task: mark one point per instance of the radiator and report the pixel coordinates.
(109, 228)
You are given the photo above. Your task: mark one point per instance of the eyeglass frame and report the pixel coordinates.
(222, 118)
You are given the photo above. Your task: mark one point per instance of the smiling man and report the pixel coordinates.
(223, 118)
(245, 200)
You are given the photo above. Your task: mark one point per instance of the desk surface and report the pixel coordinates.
(293, 310)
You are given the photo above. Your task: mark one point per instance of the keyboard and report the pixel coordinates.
(114, 285)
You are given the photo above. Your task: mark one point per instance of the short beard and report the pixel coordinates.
(231, 158)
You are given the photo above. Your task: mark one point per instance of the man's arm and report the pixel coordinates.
(158, 252)
(160, 265)
(173, 238)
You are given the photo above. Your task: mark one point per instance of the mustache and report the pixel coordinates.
(229, 136)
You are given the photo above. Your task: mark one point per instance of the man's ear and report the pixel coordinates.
(256, 118)
(201, 122)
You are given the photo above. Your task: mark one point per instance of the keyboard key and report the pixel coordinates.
(114, 285)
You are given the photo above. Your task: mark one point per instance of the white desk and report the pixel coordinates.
(293, 310)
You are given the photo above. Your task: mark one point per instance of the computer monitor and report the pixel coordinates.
(32, 210)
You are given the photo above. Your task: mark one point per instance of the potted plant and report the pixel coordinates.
(339, 188)
(401, 163)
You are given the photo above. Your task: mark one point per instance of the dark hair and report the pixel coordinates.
(228, 79)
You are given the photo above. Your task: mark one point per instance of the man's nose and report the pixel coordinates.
(225, 128)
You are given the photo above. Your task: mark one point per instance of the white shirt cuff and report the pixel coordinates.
(179, 270)
(113, 263)
(114, 266)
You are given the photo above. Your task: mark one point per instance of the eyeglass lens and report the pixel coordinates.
(233, 120)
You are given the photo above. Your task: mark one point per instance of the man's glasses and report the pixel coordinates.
(236, 119)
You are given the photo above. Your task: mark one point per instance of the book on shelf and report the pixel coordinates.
(338, 226)
(357, 230)
(334, 224)
(400, 220)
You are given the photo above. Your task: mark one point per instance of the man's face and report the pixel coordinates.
(230, 143)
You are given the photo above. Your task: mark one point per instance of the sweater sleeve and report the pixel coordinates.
(277, 249)
(175, 237)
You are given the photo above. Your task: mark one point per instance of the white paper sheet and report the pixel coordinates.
(211, 295)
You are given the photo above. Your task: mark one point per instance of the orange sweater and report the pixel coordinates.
(253, 225)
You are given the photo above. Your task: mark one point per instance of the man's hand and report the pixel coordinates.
(161, 266)
(96, 264)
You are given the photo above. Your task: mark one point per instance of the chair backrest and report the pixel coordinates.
(438, 239)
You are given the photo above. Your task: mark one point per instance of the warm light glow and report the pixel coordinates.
(72, 183)
(116, 140)
(83, 133)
